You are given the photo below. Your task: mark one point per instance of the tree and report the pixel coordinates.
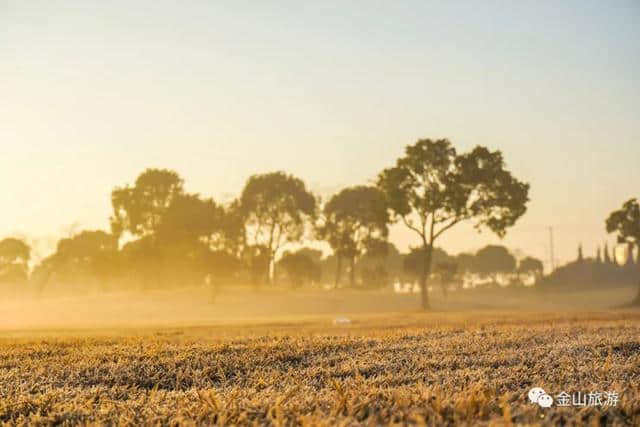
(14, 260)
(625, 223)
(607, 257)
(380, 265)
(446, 272)
(355, 221)
(580, 256)
(193, 236)
(189, 218)
(223, 267)
(465, 262)
(232, 236)
(276, 208)
(493, 260)
(300, 267)
(629, 262)
(531, 265)
(178, 233)
(256, 259)
(432, 189)
(139, 209)
(88, 254)
(413, 263)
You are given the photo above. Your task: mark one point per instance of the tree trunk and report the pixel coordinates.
(352, 273)
(270, 267)
(274, 280)
(338, 271)
(636, 300)
(271, 258)
(424, 277)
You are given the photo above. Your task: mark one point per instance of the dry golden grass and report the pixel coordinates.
(438, 369)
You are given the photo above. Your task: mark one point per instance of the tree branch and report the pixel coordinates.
(432, 228)
(411, 226)
(451, 223)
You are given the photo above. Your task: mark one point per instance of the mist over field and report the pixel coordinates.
(333, 213)
(198, 307)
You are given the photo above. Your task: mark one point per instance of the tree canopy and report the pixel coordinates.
(300, 266)
(494, 259)
(14, 259)
(355, 221)
(87, 254)
(531, 265)
(276, 206)
(432, 188)
(139, 209)
(625, 223)
(189, 218)
(162, 234)
(14, 251)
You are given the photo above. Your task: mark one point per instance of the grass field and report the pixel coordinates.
(441, 368)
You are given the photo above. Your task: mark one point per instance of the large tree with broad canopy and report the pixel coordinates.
(432, 188)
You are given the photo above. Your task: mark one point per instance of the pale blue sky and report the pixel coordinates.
(93, 92)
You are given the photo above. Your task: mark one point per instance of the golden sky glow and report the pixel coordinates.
(94, 92)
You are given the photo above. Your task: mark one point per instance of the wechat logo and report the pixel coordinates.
(539, 396)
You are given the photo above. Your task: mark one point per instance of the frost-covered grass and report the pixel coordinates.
(438, 369)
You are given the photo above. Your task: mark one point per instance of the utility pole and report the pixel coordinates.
(551, 254)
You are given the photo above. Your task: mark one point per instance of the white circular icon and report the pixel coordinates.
(535, 393)
(545, 401)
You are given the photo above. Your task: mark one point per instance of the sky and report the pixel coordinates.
(94, 92)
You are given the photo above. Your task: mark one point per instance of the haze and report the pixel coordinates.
(95, 92)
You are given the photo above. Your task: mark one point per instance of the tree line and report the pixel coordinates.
(161, 234)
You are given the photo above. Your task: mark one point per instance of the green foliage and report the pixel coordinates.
(301, 266)
(530, 265)
(380, 265)
(440, 188)
(494, 259)
(14, 260)
(256, 258)
(465, 262)
(355, 221)
(139, 209)
(87, 254)
(625, 222)
(232, 234)
(179, 235)
(189, 218)
(14, 251)
(375, 276)
(413, 263)
(432, 188)
(172, 236)
(222, 267)
(446, 272)
(276, 208)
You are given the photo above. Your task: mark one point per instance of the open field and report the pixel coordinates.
(471, 368)
(203, 306)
